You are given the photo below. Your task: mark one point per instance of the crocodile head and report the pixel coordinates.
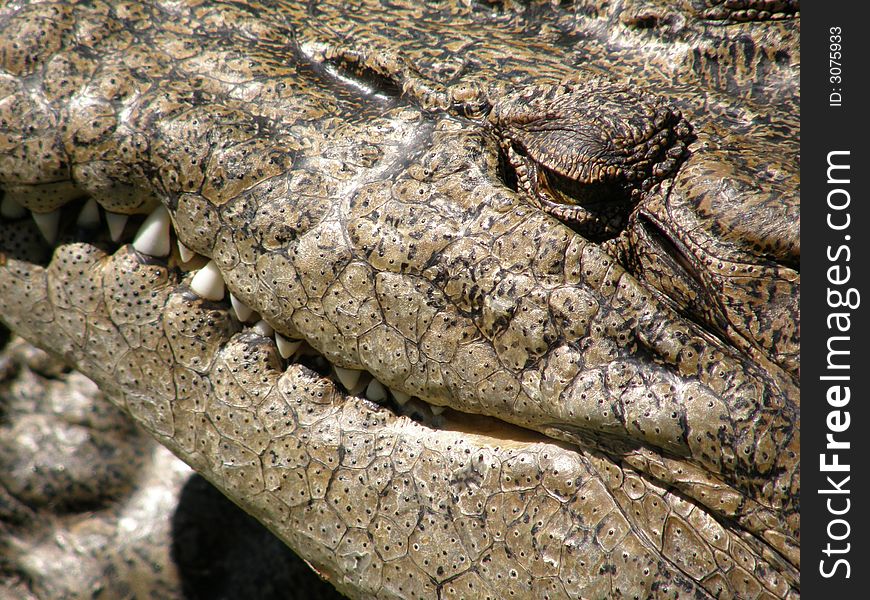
(272, 265)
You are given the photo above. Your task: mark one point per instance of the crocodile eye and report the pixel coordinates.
(587, 153)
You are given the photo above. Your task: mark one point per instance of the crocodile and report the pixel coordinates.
(460, 299)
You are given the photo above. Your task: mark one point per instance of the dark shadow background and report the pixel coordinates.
(221, 552)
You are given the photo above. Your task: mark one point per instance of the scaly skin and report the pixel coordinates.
(658, 455)
(75, 473)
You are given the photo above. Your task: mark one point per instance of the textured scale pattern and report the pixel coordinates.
(623, 415)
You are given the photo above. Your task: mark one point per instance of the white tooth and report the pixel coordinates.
(242, 310)
(437, 410)
(89, 217)
(48, 223)
(400, 397)
(375, 391)
(153, 236)
(263, 328)
(348, 377)
(186, 254)
(208, 282)
(286, 348)
(116, 224)
(10, 209)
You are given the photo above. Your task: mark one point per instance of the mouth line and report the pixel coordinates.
(154, 239)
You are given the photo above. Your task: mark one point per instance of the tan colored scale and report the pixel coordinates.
(345, 174)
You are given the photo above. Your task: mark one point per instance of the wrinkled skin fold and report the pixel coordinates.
(638, 428)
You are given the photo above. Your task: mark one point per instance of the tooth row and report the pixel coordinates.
(208, 283)
(154, 239)
(358, 382)
(89, 218)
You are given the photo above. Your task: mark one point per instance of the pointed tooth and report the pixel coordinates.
(286, 348)
(348, 377)
(361, 385)
(242, 310)
(375, 391)
(437, 410)
(89, 217)
(186, 254)
(153, 236)
(116, 222)
(10, 209)
(263, 328)
(400, 397)
(208, 282)
(48, 224)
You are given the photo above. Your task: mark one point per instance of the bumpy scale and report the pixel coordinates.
(354, 198)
